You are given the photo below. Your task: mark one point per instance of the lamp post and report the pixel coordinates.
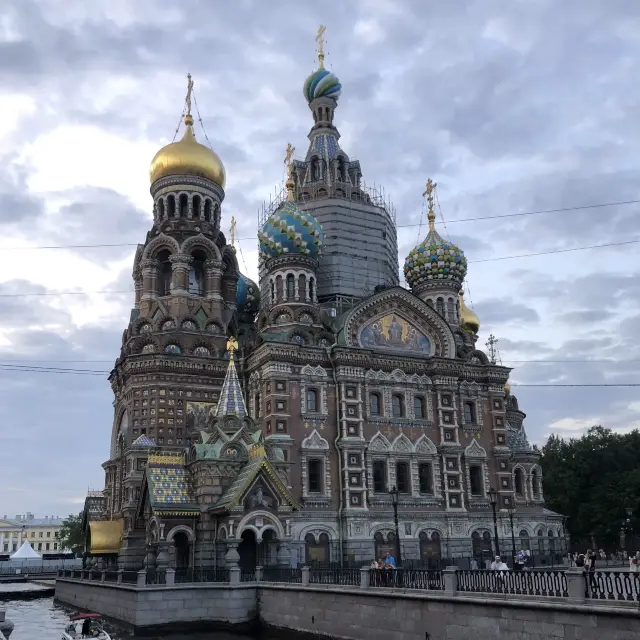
(512, 512)
(629, 528)
(395, 494)
(493, 499)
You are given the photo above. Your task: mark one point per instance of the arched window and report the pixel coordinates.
(315, 169)
(256, 406)
(171, 206)
(197, 273)
(183, 204)
(207, 210)
(476, 484)
(317, 553)
(273, 292)
(403, 483)
(197, 204)
(418, 407)
(397, 405)
(165, 273)
(430, 549)
(535, 484)
(426, 478)
(314, 476)
(481, 545)
(342, 174)
(469, 413)
(312, 289)
(440, 306)
(430, 303)
(374, 404)
(524, 540)
(519, 482)
(451, 313)
(312, 400)
(291, 287)
(552, 542)
(379, 476)
(160, 208)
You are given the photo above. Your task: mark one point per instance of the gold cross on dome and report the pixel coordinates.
(320, 41)
(232, 345)
(289, 154)
(189, 92)
(431, 187)
(233, 231)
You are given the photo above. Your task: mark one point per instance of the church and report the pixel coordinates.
(326, 414)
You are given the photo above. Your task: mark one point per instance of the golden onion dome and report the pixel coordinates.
(468, 318)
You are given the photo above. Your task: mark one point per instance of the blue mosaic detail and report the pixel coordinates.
(231, 401)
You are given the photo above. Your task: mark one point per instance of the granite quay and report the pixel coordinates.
(570, 603)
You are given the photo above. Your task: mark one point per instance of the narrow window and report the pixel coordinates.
(311, 289)
(534, 483)
(397, 406)
(314, 468)
(207, 210)
(418, 407)
(424, 473)
(519, 482)
(440, 306)
(469, 413)
(197, 204)
(451, 314)
(475, 480)
(402, 477)
(183, 204)
(379, 477)
(312, 400)
(291, 287)
(374, 404)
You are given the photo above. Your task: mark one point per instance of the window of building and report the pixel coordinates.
(291, 286)
(397, 406)
(535, 485)
(312, 400)
(314, 470)
(402, 477)
(519, 482)
(48, 534)
(440, 306)
(418, 407)
(374, 404)
(475, 480)
(47, 546)
(39, 546)
(424, 473)
(379, 476)
(55, 546)
(33, 534)
(40, 534)
(469, 413)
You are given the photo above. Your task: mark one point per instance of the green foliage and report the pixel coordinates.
(592, 480)
(70, 535)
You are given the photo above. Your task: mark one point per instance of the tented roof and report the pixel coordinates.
(25, 552)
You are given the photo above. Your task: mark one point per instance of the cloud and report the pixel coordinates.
(512, 108)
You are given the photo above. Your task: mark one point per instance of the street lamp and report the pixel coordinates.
(512, 512)
(493, 499)
(395, 495)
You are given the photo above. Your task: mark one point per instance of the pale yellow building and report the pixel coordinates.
(42, 533)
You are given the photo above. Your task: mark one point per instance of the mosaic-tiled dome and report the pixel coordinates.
(247, 295)
(289, 231)
(322, 83)
(433, 260)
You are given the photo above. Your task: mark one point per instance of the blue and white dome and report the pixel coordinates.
(247, 295)
(291, 231)
(322, 83)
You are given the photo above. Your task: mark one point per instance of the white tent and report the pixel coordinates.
(25, 552)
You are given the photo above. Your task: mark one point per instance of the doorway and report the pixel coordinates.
(247, 550)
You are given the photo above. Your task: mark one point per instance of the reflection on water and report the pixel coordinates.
(12, 587)
(42, 620)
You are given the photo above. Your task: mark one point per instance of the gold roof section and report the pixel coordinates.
(105, 537)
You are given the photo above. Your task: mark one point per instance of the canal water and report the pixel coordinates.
(41, 619)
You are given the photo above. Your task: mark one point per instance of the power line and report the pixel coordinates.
(399, 226)
(617, 385)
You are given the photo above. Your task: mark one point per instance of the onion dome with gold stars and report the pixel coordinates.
(468, 318)
(247, 295)
(321, 83)
(434, 261)
(187, 156)
(290, 230)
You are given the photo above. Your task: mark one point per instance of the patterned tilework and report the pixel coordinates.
(231, 401)
(247, 295)
(324, 144)
(169, 485)
(517, 439)
(143, 441)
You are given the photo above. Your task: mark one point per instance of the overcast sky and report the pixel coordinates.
(511, 106)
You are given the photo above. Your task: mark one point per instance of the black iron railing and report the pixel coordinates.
(201, 575)
(111, 576)
(129, 577)
(247, 576)
(612, 585)
(335, 576)
(156, 576)
(406, 579)
(281, 574)
(532, 583)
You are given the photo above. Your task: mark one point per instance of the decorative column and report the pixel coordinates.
(213, 270)
(180, 273)
(284, 555)
(232, 556)
(138, 284)
(149, 269)
(163, 556)
(150, 558)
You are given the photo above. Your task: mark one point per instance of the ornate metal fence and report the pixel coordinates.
(612, 585)
(407, 579)
(531, 583)
(281, 574)
(335, 576)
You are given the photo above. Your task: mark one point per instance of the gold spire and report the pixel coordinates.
(233, 232)
(429, 191)
(232, 345)
(187, 156)
(320, 41)
(288, 160)
(469, 320)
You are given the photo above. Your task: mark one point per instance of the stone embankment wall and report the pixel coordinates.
(353, 613)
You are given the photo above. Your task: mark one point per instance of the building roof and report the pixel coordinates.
(144, 441)
(231, 401)
(169, 485)
(24, 552)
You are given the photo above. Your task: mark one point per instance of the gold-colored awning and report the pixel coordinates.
(105, 537)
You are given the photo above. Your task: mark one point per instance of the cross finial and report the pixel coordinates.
(232, 345)
(290, 184)
(189, 92)
(491, 347)
(429, 192)
(289, 154)
(320, 41)
(233, 231)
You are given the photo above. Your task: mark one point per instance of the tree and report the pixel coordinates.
(70, 536)
(593, 480)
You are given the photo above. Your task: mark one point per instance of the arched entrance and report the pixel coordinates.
(268, 548)
(182, 550)
(482, 550)
(248, 550)
(430, 549)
